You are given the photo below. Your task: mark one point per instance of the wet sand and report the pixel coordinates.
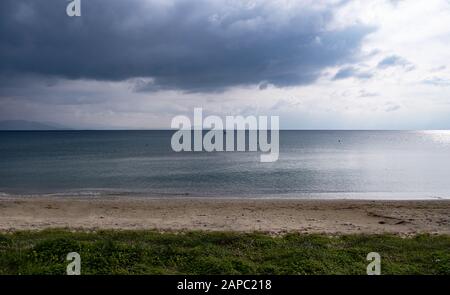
(272, 216)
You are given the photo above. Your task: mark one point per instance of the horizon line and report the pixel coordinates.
(157, 129)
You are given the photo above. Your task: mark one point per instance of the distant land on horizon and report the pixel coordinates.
(23, 125)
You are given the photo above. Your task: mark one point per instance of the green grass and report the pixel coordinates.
(149, 252)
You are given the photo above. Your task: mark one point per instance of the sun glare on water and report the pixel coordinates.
(439, 136)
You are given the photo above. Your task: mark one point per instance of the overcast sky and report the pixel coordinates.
(317, 64)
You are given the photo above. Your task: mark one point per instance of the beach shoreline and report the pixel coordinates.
(274, 216)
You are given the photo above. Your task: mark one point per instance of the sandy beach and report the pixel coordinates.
(272, 216)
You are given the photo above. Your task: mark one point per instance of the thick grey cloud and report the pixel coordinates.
(187, 45)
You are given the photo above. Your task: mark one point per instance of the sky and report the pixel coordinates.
(135, 64)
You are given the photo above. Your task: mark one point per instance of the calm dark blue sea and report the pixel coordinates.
(312, 164)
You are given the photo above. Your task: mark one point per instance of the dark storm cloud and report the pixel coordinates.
(188, 45)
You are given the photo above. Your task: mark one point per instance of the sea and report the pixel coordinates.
(312, 165)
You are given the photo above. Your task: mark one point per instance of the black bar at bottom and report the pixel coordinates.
(221, 284)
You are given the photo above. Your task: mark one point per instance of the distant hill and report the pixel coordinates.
(12, 125)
